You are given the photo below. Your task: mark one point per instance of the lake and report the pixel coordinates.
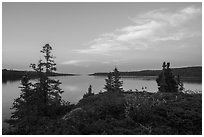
(75, 86)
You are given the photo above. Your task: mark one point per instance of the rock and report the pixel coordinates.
(74, 114)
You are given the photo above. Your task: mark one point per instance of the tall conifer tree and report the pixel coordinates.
(109, 82)
(117, 83)
(38, 100)
(48, 88)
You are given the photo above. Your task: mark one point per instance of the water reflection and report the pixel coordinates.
(186, 80)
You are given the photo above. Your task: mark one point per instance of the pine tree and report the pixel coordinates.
(109, 82)
(24, 114)
(170, 80)
(49, 63)
(41, 88)
(180, 84)
(113, 82)
(161, 80)
(38, 101)
(117, 83)
(166, 80)
(90, 90)
(47, 88)
(89, 93)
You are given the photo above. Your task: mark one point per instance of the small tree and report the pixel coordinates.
(180, 84)
(161, 80)
(90, 89)
(166, 80)
(113, 82)
(109, 82)
(89, 93)
(117, 83)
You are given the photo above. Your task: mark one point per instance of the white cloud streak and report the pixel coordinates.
(73, 62)
(155, 26)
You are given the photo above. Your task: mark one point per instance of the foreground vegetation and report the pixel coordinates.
(40, 109)
(142, 113)
(119, 113)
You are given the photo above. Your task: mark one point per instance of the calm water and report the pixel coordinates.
(74, 87)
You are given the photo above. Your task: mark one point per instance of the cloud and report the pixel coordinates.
(191, 10)
(114, 61)
(138, 32)
(172, 18)
(87, 63)
(73, 62)
(176, 36)
(102, 48)
(155, 26)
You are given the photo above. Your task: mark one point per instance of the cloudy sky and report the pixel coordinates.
(95, 37)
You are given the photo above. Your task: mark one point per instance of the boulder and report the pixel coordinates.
(74, 115)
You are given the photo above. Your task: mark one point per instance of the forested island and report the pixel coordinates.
(183, 72)
(18, 74)
(40, 110)
(186, 73)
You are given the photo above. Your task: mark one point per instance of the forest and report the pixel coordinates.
(184, 72)
(18, 74)
(40, 109)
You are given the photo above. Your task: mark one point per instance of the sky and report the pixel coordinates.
(96, 37)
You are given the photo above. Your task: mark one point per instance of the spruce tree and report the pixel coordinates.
(90, 90)
(40, 100)
(46, 93)
(170, 80)
(113, 82)
(49, 63)
(180, 84)
(47, 88)
(161, 79)
(24, 114)
(117, 83)
(89, 93)
(109, 82)
(41, 88)
(166, 80)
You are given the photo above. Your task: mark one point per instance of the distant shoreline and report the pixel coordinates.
(186, 74)
(183, 72)
(18, 74)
